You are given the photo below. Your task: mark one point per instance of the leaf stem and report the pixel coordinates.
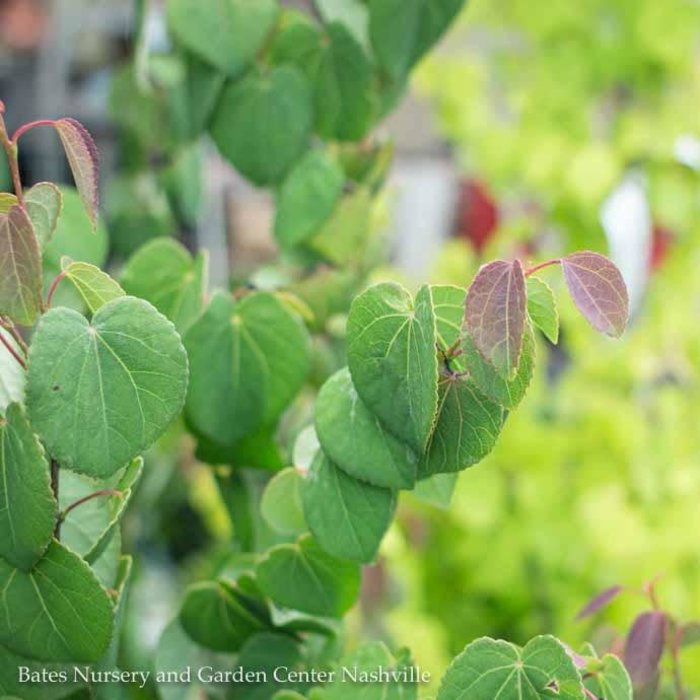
(12, 350)
(89, 497)
(541, 266)
(674, 648)
(54, 488)
(26, 127)
(10, 327)
(10, 147)
(52, 288)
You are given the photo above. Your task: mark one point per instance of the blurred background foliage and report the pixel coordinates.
(560, 126)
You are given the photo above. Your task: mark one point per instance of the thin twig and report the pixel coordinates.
(89, 497)
(12, 329)
(11, 150)
(12, 351)
(541, 266)
(52, 288)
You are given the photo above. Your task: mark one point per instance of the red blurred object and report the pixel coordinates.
(477, 215)
(23, 23)
(661, 242)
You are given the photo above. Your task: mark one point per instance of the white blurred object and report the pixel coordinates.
(687, 150)
(426, 195)
(628, 226)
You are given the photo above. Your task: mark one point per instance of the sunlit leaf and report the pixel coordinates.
(495, 314)
(598, 290)
(542, 308)
(44, 204)
(95, 287)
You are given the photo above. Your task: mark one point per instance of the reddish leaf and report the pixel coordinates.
(82, 156)
(598, 290)
(20, 267)
(600, 601)
(644, 646)
(495, 314)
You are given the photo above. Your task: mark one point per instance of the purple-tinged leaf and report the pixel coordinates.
(598, 290)
(82, 156)
(599, 601)
(495, 313)
(644, 647)
(20, 268)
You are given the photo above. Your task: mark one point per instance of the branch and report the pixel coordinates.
(89, 497)
(12, 350)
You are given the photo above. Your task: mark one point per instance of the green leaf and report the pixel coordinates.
(347, 517)
(495, 314)
(305, 577)
(81, 152)
(609, 679)
(227, 34)
(437, 490)
(509, 393)
(281, 504)
(262, 123)
(402, 31)
(355, 672)
(74, 237)
(297, 41)
(219, 616)
(100, 393)
(392, 359)
(27, 505)
(467, 427)
(248, 360)
(44, 203)
(307, 198)
(164, 273)
(41, 607)
(35, 688)
(95, 287)
(345, 98)
(20, 268)
(7, 201)
(342, 238)
(449, 313)
(353, 14)
(355, 440)
(542, 308)
(12, 375)
(89, 528)
(487, 669)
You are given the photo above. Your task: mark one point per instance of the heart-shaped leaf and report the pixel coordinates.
(508, 392)
(403, 30)
(355, 440)
(41, 618)
(304, 577)
(12, 375)
(100, 393)
(262, 123)
(598, 290)
(608, 679)
(221, 617)
(489, 669)
(94, 286)
(248, 359)
(307, 197)
(20, 268)
(164, 273)
(466, 430)
(347, 517)
(227, 33)
(542, 308)
(495, 314)
(27, 505)
(89, 528)
(281, 505)
(392, 359)
(82, 157)
(345, 98)
(44, 203)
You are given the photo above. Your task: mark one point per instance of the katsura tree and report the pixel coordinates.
(89, 383)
